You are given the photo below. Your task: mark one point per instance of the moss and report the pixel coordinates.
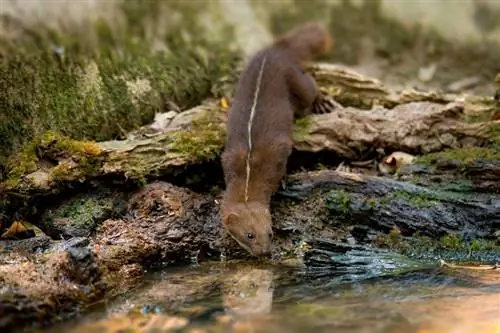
(452, 242)
(455, 185)
(301, 128)
(448, 247)
(339, 201)
(82, 212)
(415, 199)
(418, 200)
(466, 156)
(106, 79)
(203, 141)
(50, 148)
(372, 202)
(484, 245)
(136, 172)
(483, 109)
(494, 131)
(396, 242)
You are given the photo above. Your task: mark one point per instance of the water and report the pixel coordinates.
(245, 297)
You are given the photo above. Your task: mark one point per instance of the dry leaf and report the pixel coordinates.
(224, 103)
(17, 230)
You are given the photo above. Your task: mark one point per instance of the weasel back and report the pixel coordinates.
(271, 89)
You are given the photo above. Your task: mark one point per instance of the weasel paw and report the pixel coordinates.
(325, 104)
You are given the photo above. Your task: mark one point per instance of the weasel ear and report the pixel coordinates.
(231, 218)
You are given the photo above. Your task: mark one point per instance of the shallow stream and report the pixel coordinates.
(245, 297)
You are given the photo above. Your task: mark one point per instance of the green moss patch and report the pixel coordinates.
(345, 204)
(340, 201)
(79, 215)
(417, 200)
(79, 158)
(465, 156)
(448, 247)
(301, 128)
(205, 139)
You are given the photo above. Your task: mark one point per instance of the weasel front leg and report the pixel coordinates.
(304, 90)
(325, 104)
(309, 97)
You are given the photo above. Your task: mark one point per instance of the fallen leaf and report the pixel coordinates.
(18, 230)
(224, 103)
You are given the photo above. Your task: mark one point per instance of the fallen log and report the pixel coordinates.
(385, 204)
(354, 89)
(460, 170)
(407, 120)
(415, 128)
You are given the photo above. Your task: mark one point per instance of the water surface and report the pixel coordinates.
(244, 297)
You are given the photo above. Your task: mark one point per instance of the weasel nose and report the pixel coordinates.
(265, 251)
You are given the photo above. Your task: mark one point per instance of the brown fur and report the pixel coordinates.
(285, 91)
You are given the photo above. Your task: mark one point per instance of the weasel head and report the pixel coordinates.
(250, 225)
(308, 41)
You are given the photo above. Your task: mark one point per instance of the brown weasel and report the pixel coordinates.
(272, 89)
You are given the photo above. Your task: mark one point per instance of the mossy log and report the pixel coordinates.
(376, 116)
(460, 170)
(372, 116)
(385, 204)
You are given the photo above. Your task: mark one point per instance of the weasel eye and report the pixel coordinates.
(250, 235)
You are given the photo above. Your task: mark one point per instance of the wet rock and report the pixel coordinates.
(29, 245)
(67, 244)
(166, 224)
(169, 225)
(40, 288)
(340, 262)
(81, 214)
